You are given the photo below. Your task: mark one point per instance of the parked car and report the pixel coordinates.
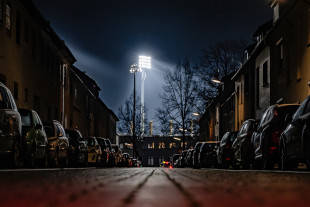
(182, 159)
(175, 159)
(111, 160)
(166, 164)
(58, 143)
(266, 138)
(243, 148)
(207, 154)
(125, 160)
(294, 141)
(11, 127)
(117, 154)
(94, 152)
(195, 154)
(225, 152)
(105, 151)
(189, 158)
(78, 151)
(34, 140)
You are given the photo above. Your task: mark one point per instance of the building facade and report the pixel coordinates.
(37, 66)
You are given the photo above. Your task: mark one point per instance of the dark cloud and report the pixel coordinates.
(106, 36)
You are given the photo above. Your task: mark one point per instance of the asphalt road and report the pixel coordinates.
(143, 187)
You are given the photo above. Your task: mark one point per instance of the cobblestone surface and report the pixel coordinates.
(152, 187)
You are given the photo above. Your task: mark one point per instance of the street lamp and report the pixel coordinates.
(215, 80)
(133, 69)
(144, 62)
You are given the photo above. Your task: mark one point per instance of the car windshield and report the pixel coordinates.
(72, 134)
(26, 119)
(90, 142)
(4, 99)
(102, 143)
(284, 110)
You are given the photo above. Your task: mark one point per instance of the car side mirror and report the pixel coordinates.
(4, 105)
(38, 126)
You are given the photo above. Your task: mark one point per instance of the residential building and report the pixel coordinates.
(153, 150)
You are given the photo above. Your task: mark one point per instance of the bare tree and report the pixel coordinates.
(218, 61)
(178, 98)
(125, 115)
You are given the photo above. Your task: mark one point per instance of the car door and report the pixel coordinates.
(294, 132)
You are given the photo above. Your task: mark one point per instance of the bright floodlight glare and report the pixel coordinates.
(216, 81)
(196, 114)
(144, 62)
(134, 68)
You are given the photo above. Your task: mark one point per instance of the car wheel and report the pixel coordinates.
(56, 159)
(267, 163)
(32, 156)
(65, 160)
(286, 164)
(44, 161)
(14, 155)
(307, 155)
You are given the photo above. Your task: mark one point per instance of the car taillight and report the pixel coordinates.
(170, 167)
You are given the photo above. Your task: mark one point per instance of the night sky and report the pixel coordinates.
(107, 36)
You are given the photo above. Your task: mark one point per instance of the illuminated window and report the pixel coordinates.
(151, 145)
(161, 145)
(185, 144)
(172, 145)
(8, 16)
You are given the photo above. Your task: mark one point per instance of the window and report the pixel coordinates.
(150, 161)
(265, 73)
(172, 145)
(185, 144)
(161, 145)
(18, 27)
(8, 17)
(257, 86)
(280, 55)
(151, 145)
(75, 93)
(16, 90)
(26, 95)
(1, 12)
(161, 159)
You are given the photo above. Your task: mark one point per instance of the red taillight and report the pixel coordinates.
(170, 167)
(228, 158)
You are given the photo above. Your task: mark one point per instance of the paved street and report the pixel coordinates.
(152, 187)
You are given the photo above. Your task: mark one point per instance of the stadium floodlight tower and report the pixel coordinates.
(144, 63)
